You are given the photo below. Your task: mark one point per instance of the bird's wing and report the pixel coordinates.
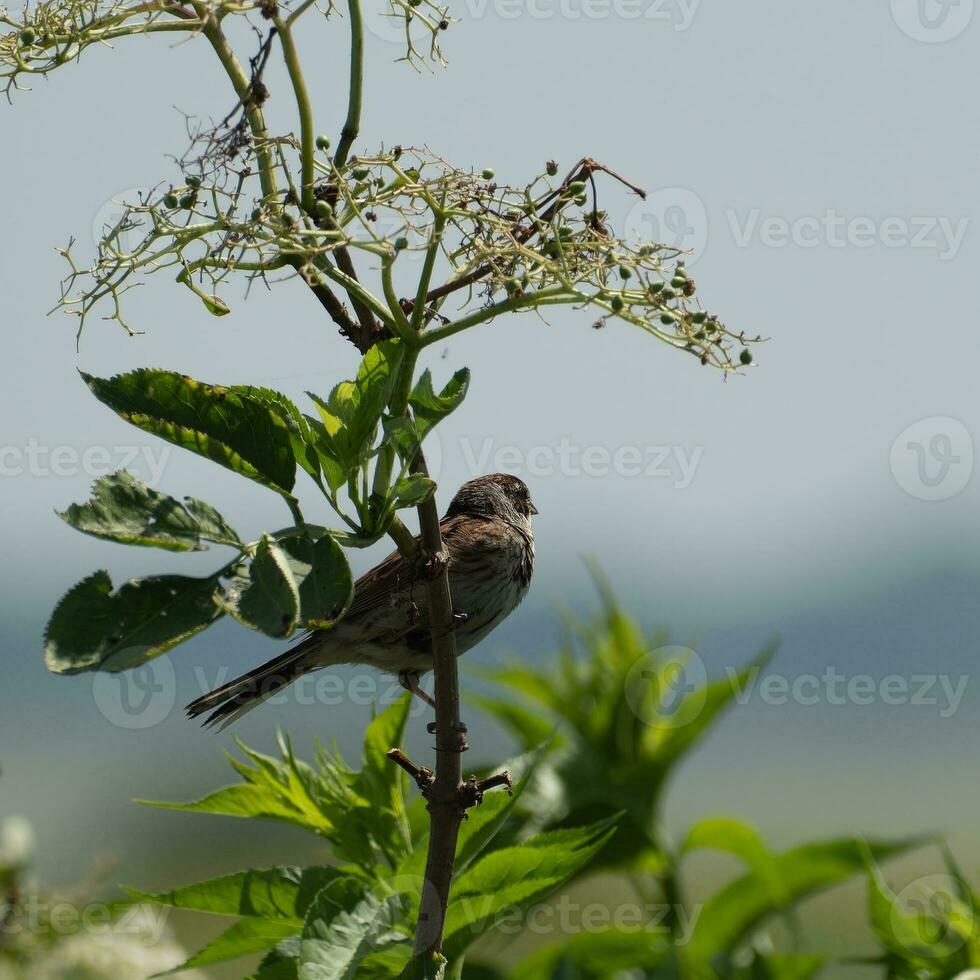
(393, 577)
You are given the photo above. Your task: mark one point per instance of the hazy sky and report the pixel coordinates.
(822, 157)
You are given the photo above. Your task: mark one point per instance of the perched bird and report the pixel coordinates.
(487, 533)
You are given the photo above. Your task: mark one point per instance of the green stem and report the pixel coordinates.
(551, 296)
(307, 136)
(400, 322)
(242, 85)
(352, 124)
(418, 310)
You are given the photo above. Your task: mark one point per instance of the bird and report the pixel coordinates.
(490, 543)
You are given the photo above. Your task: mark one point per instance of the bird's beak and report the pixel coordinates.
(531, 508)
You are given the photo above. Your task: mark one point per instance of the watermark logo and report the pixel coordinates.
(933, 458)
(667, 687)
(922, 917)
(112, 219)
(137, 699)
(933, 21)
(672, 216)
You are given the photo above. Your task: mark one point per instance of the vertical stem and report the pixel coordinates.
(307, 137)
(242, 85)
(446, 811)
(352, 125)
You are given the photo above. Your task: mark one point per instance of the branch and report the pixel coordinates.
(352, 124)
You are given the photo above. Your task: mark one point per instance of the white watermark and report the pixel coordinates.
(35, 459)
(678, 218)
(933, 21)
(933, 458)
(832, 687)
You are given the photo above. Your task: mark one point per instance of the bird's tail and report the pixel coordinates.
(236, 698)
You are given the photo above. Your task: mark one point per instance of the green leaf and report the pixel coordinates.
(273, 893)
(350, 416)
(268, 599)
(215, 305)
(245, 938)
(428, 408)
(218, 423)
(323, 577)
(737, 838)
(345, 924)
(428, 966)
(94, 628)
(414, 490)
(300, 433)
(731, 914)
(122, 508)
(516, 877)
(930, 929)
(484, 822)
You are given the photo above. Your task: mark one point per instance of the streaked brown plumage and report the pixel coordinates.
(487, 532)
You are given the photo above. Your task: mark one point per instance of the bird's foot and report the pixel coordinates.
(434, 563)
(409, 679)
(461, 744)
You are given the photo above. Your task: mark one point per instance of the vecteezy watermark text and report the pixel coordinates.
(38, 460)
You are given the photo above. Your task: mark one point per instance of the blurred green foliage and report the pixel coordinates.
(600, 733)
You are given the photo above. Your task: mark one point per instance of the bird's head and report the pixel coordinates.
(494, 495)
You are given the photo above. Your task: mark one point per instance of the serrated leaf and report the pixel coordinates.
(429, 408)
(122, 508)
(94, 628)
(349, 417)
(218, 423)
(516, 877)
(245, 938)
(269, 893)
(268, 598)
(300, 433)
(345, 924)
(484, 822)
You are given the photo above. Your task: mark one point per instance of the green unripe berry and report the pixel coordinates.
(359, 173)
(551, 168)
(323, 142)
(617, 304)
(579, 199)
(27, 37)
(171, 200)
(487, 173)
(668, 293)
(193, 182)
(745, 357)
(323, 209)
(645, 250)
(258, 214)
(655, 287)
(576, 187)
(624, 272)
(401, 243)
(667, 319)
(187, 202)
(700, 317)
(678, 282)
